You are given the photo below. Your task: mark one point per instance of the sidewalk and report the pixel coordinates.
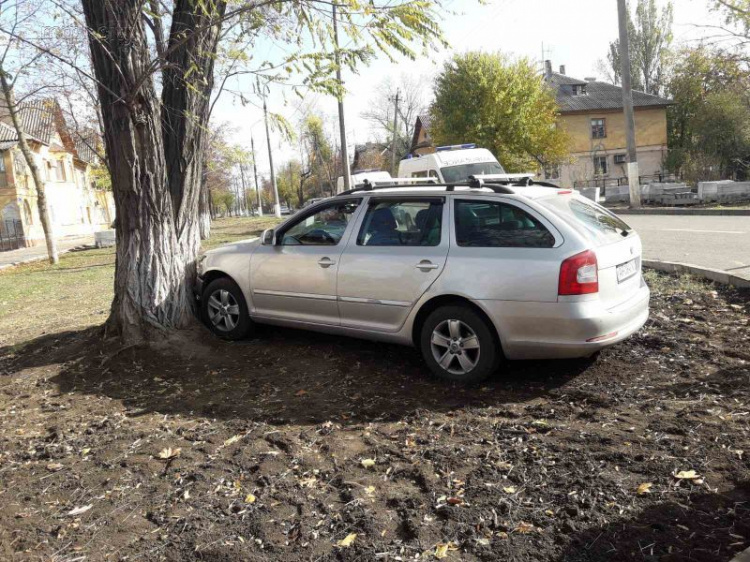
(36, 253)
(724, 211)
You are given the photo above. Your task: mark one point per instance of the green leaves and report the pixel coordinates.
(502, 105)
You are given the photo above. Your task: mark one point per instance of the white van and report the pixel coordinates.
(358, 178)
(451, 164)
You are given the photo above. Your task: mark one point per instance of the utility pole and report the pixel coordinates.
(243, 206)
(627, 104)
(395, 136)
(342, 125)
(255, 172)
(276, 205)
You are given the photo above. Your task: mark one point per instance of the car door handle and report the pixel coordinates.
(424, 265)
(326, 262)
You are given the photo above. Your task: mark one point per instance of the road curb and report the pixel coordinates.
(689, 212)
(717, 275)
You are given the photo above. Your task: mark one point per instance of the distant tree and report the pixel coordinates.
(650, 40)
(288, 180)
(500, 104)
(709, 123)
(412, 102)
(321, 155)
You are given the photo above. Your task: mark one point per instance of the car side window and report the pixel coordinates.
(488, 224)
(414, 222)
(325, 227)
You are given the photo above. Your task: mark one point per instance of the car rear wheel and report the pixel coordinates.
(458, 344)
(224, 310)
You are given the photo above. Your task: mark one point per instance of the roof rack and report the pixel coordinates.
(499, 183)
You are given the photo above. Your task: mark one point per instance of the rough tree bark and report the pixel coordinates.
(155, 157)
(204, 210)
(41, 196)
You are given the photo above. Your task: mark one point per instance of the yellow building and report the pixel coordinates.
(64, 160)
(592, 114)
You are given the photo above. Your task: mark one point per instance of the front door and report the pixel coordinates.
(295, 279)
(400, 248)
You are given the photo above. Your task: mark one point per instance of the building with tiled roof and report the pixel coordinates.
(592, 114)
(64, 159)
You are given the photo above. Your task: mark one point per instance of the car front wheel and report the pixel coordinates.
(224, 310)
(458, 345)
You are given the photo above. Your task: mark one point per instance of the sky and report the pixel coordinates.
(574, 33)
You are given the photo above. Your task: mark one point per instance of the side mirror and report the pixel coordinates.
(268, 236)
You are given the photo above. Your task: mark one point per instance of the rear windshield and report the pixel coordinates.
(595, 222)
(462, 172)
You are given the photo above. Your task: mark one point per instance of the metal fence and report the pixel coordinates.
(11, 235)
(613, 182)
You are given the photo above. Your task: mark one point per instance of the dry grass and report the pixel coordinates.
(39, 298)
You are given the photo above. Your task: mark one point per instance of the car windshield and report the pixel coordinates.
(592, 220)
(462, 172)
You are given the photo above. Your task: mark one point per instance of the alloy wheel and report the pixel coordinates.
(223, 310)
(455, 347)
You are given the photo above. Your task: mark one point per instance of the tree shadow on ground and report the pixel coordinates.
(712, 528)
(282, 376)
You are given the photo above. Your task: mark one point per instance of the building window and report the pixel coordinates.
(579, 90)
(2, 161)
(600, 165)
(598, 130)
(620, 159)
(552, 171)
(60, 169)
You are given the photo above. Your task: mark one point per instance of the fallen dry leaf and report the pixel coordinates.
(370, 490)
(368, 463)
(79, 510)
(347, 541)
(169, 453)
(524, 528)
(232, 439)
(442, 549)
(644, 488)
(687, 475)
(54, 466)
(300, 392)
(250, 498)
(455, 501)
(509, 489)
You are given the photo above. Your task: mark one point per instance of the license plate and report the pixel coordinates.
(626, 270)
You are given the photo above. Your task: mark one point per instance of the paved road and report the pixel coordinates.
(716, 242)
(40, 252)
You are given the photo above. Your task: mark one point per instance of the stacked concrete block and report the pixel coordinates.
(104, 238)
(723, 191)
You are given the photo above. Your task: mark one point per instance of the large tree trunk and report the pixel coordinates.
(41, 195)
(155, 157)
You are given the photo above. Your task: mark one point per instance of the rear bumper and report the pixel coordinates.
(562, 329)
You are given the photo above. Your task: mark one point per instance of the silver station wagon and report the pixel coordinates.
(497, 268)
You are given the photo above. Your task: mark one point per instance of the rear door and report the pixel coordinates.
(503, 250)
(397, 251)
(617, 246)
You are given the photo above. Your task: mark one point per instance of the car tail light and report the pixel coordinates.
(579, 275)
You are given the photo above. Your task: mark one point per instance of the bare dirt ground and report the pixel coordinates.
(297, 446)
